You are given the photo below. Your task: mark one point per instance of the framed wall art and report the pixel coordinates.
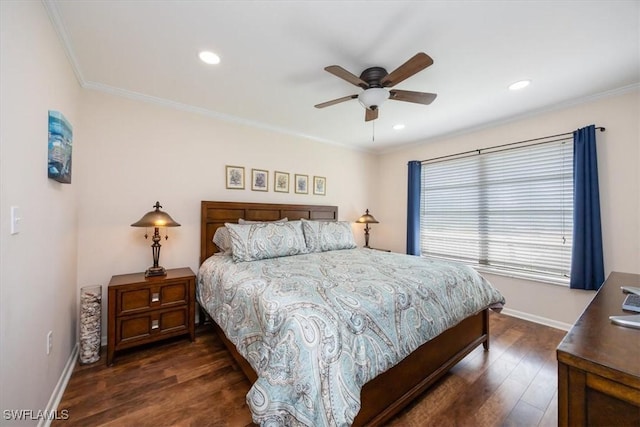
(235, 177)
(60, 147)
(302, 184)
(281, 182)
(259, 180)
(320, 185)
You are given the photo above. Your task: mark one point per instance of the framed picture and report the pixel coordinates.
(281, 182)
(320, 185)
(259, 180)
(302, 184)
(60, 147)
(235, 177)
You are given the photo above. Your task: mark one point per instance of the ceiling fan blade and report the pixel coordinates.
(410, 96)
(336, 101)
(418, 62)
(338, 71)
(370, 114)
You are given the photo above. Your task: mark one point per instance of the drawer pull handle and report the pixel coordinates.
(154, 324)
(155, 297)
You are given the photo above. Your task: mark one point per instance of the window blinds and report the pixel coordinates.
(507, 210)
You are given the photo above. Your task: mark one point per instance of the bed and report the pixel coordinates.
(384, 385)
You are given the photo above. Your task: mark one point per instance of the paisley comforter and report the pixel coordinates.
(317, 327)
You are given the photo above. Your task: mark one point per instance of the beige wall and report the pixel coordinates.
(136, 153)
(128, 154)
(618, 163)
(38, 265)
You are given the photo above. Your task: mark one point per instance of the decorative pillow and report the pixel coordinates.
(322, 236)
(251, 242)
(222, 240)
(245, 221)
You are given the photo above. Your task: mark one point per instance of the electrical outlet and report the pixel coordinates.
(49, 342)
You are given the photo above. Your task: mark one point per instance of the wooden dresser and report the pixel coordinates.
(148, 309)
(599, 363)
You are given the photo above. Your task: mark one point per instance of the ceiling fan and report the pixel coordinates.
(374, 80)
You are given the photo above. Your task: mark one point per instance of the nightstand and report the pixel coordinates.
(143, 310)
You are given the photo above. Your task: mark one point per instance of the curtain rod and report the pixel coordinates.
(480, 150)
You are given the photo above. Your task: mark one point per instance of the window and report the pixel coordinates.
(508, 211)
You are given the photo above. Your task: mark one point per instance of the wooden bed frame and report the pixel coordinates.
(386, 395)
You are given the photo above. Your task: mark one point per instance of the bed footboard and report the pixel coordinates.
(389, 393)
(386, 395)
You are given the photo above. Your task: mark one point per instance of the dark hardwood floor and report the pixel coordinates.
(180, 383)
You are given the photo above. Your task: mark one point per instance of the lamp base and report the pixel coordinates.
(155, 271)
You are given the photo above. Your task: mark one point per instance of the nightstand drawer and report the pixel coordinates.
(143, 309)
(130, 329)
(146, 297)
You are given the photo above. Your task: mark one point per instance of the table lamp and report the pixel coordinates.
(367, 219)
(155, 219)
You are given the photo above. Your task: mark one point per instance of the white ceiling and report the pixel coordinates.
(274, 53)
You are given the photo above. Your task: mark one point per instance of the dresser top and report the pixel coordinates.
(596, 341)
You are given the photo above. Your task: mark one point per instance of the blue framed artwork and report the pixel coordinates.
(60, 147)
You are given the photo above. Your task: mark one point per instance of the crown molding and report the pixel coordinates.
(52, 10)
(60, 28)
(58, 24)
(533, 113)
(137, 96)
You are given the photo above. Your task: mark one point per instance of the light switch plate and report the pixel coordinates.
(15, 219)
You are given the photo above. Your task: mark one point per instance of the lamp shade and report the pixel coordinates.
(373, 97)
(156, 218)
(367, 218)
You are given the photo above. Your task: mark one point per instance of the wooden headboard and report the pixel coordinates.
(215, 214)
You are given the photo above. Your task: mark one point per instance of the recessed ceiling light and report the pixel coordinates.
(209, 57)
(399, 126)
(519, 85)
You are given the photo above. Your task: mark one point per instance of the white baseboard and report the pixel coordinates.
(537, 319)
(58, 391)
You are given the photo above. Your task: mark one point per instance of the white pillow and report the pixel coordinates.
(251, 242)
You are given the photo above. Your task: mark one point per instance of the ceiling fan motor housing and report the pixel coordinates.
(373, 76)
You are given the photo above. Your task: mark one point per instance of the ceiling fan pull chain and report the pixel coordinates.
(373, 131)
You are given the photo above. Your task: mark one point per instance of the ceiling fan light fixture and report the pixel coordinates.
(373, 97)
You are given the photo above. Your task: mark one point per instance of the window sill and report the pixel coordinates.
(559, 281)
